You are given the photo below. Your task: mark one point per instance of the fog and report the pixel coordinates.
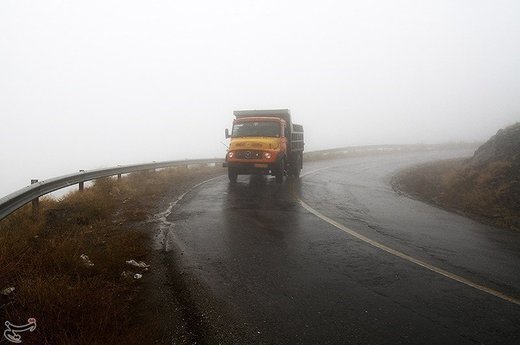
(90, 84)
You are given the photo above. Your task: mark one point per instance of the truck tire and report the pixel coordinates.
(232, 174)
(297, 166)
(280, 171)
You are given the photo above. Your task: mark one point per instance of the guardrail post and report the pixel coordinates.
(81, 184)
(35, 202)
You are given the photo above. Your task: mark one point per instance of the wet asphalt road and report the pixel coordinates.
(291, 278)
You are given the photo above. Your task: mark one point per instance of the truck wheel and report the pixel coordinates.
(297, 166)
(232, 174)
(280, 171)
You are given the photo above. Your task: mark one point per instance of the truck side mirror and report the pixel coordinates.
(227, 133)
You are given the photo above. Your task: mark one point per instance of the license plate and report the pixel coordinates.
(261, 165)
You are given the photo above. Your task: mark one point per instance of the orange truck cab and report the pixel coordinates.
(264, 142)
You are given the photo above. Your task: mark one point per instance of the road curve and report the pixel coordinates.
(282, 275)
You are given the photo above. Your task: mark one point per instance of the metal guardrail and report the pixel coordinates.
(335, 152)
(13, 201)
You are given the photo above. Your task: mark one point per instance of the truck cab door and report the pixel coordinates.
(283, 139)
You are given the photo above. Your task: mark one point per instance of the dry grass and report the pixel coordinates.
(489, 193)
(40, 256)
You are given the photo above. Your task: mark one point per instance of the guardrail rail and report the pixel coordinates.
(31, 193)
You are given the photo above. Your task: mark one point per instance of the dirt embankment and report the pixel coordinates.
(67, 267)
(485, 187)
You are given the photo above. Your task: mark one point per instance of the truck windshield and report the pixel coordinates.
(256, 129)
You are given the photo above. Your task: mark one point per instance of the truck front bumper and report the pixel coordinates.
(251, 167)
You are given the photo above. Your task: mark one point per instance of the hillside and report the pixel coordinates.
(485, 186)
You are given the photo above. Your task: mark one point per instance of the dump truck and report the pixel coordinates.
(264, 142)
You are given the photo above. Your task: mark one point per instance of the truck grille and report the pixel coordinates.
(249, 154)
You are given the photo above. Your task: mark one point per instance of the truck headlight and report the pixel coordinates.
(267, 155)
(230, 154)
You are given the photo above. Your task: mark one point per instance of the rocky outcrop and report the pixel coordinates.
(485, 186)
(496, 167)
(505, 145)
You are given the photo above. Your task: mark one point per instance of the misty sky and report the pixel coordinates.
(89, 84)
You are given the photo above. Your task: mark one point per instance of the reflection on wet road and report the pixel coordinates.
(297, 279)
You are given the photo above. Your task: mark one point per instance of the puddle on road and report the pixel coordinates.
(165, 237)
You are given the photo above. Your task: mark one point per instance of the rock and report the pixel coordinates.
(505, 145)
(139, 264)
(7, 291)
(86, 260)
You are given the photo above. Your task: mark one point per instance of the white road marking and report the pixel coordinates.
(401, 255)
(318, 170)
